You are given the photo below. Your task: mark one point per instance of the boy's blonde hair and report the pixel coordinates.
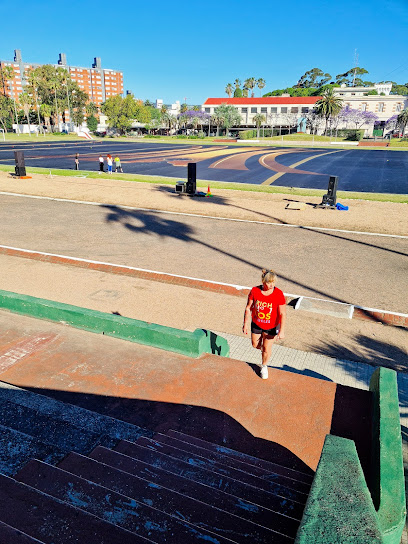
(268, 276)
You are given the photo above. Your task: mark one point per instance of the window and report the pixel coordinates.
(284, 110)
(274, 110)
(264, 110)
(398, 107)
(305, 110)
(381, 107)
(244, 110)
(207, 110)
(364, 107)
(294, 109)
(254, 110)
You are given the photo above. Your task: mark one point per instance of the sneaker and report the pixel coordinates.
(264, 372)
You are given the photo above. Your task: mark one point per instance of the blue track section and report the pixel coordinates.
(379, 171)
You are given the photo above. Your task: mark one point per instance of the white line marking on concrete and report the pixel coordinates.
(14, 355)
(306, 227)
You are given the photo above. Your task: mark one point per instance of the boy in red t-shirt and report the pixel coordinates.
(267, 307)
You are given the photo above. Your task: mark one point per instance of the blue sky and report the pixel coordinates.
(189, 49)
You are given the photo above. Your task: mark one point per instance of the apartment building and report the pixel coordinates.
(99, 83)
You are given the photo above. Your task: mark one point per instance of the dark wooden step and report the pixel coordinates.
(52, 521)
(268, 466)
(277, 487)
(291, 478)
(229, 485)
(63, 435)
(193, 510)
(111, 506)
(10, 535)
(16, 449)
(263, 516)
(102, 425)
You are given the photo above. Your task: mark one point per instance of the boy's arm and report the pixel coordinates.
(282, 313)
(247, 316)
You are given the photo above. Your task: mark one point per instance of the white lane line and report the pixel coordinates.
(21, 350)
(306, 227)
(237, 287)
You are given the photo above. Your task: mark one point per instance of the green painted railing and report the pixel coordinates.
(192, 344)
(340, 508)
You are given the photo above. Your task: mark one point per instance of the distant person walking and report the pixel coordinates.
(118, 166)
(76, 161)
(110, 162)
(265, 312)
(101, 164)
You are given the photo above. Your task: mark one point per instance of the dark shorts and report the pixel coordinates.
(270, 332)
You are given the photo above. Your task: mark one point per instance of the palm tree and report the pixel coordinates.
(328, 106)
(237, 83)
(250, 83)
(46, 111)
(261, 84)
(25, 102)
(402, 120)
(217, 119)
(229, 89)
(258, 119)
(91, 108)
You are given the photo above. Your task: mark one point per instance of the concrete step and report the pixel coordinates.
(102, 425)
(111, 506)
(63, 435)
(243, 457)
(210, 517)
(52, 521)
(225, 483)
(279, 486)
(245, 509)
(188, 443)
(17, 448)
(10, 535)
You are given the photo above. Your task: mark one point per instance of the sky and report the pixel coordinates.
(190, 50)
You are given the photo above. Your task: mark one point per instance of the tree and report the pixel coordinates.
(122, 112)
(352, 78)
(238, 93)
(228, 116)
(357, 117)
(78, 102)
(313, 78)
(92, 123)
(237, 83)
(402, 120)
(6, 112)
(46, 110)
(250, 84)
(25, 101)
(258, 119)
(229, 89)
(313, 121)
(328, 106)
(91, 109)
(261, 84)
(183, 108)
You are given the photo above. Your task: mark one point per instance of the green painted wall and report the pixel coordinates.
(192, 344)
(339, 509)
(388, 476)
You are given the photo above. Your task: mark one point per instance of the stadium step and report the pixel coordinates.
(10, 535)
(220, 517)
(227, 484)
(254, 465)
(280, 485)
(235, 505)
(50, 520)
(267, 466)
(120, 510)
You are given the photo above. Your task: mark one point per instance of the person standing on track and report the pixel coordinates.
(76, 161)
(118, 165)
(101, 164)
(267, 307)
(110, 162)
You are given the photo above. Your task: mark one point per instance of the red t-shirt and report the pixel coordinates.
(265, 308)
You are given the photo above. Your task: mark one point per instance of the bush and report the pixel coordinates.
(201, 134)
(247, 134)
(152, 136)
(182, 136)
(250, 134)
(351, 134)
(92, 123)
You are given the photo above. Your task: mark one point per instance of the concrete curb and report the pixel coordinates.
(321, 306)
(191, 344)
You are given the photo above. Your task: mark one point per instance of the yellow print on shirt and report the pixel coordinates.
(263, 309)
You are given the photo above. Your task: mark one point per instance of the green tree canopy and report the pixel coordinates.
(314, 78)
(329, 105)
(122, 112)
(227, 115)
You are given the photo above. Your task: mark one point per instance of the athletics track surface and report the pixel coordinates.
(379, 171)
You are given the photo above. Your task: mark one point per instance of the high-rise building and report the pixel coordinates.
(99, 83)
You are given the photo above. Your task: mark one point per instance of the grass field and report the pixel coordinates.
(378, 197)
